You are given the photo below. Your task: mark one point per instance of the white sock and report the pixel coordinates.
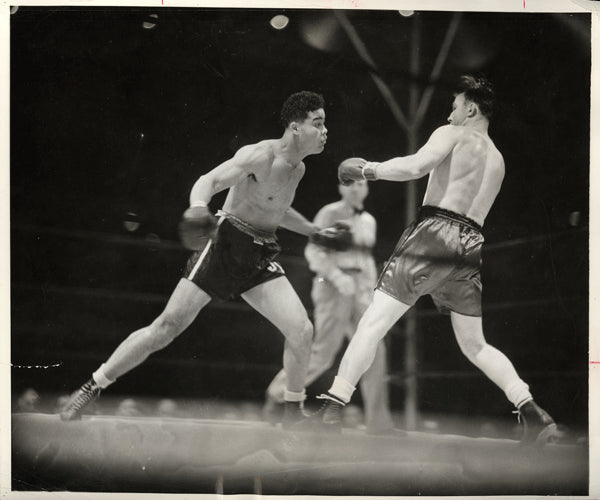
(501, 371)
(342, 389)
(296, 397)
(523, 399)
(100, 378)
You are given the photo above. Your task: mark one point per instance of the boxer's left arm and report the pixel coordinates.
(336, 237)
(419, 164)
(295, 221)
(323, 262)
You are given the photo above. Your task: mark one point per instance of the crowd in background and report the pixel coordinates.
(30, 401)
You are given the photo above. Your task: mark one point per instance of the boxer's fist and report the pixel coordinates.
(350, 170)
(197, 224)
(337, 237)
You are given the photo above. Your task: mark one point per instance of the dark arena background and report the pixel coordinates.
(115, 112)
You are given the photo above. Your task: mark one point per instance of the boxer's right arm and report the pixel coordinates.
(198, 222)
(245, 161)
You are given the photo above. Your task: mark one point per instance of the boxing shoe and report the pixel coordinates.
(83, 396)
(328, 418)
(331, 412)
(538, 426)
(293, 414)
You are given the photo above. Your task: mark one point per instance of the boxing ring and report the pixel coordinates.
(79, 284)
(207, 453)
(174, 455)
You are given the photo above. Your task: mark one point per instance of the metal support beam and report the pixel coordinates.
(442, 56)
(411, 353)
(383, 88)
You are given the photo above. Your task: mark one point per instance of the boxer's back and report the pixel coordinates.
(469, 178)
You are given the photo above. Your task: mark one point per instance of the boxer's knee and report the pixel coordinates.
(165, 329)
(471, 348)
(300, 333)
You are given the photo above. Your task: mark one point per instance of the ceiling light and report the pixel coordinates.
(150, 22)
(279, 22)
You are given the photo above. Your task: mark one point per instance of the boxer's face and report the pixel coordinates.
(460, 110)
(312, 132)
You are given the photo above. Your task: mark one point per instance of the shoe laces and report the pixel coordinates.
(331, 409)
(87, 393)
(331, 398)
(518, 415)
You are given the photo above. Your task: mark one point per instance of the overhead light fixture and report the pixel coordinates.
(321, 31)
(150, 22)
(280, 21)
(406, 13)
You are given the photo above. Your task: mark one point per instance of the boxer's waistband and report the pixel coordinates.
(431, 211)
(258, 235)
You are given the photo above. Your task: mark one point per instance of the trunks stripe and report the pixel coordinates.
(203, 254)
(199, 261)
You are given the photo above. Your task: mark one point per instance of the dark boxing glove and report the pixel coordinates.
(197, 224)
(356, 169)
(337, 237)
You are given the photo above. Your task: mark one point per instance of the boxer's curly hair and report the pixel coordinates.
(479, 90)
(297, 106)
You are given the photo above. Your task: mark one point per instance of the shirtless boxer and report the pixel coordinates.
(440, 253)
(236, 254)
